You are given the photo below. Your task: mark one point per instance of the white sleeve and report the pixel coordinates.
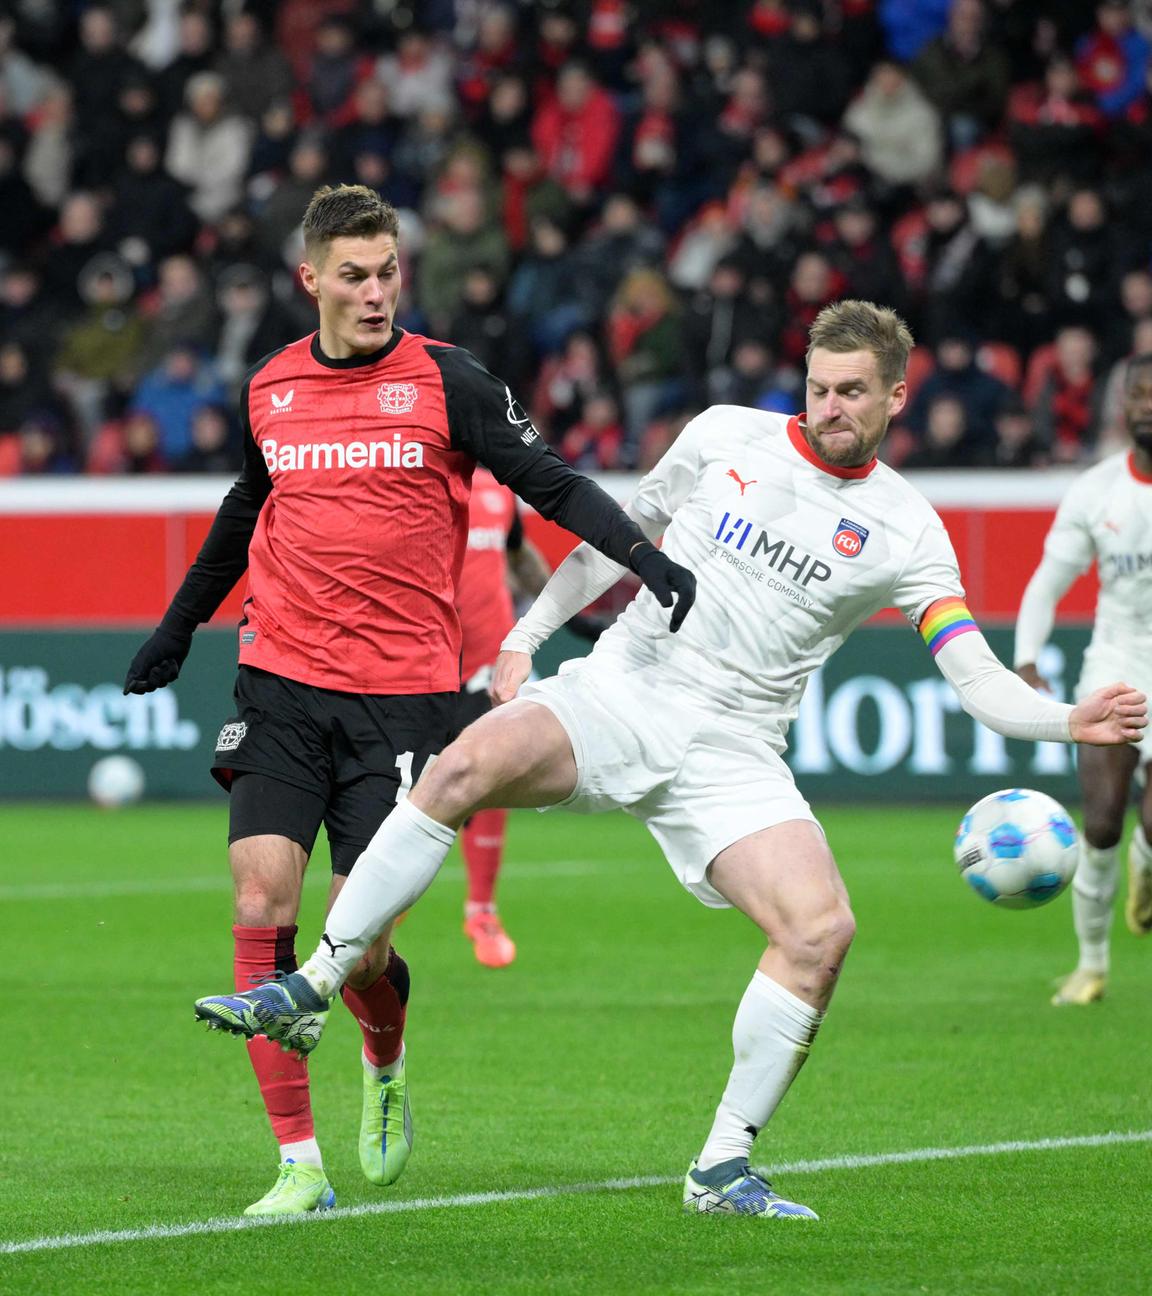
(1069, 539)
(998, 697)
(931, 573)
(585, 574)
(579, 580)
(1050, 582)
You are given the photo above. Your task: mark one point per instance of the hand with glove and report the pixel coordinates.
(670, 582)
(159, 659)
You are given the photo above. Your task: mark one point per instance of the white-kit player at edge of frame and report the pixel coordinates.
(796, 534)
(1106, 519)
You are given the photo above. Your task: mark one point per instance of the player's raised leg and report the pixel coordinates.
(1105, 778)
(1138, 909)
(517, 755)
(268, 871)
(785, 880)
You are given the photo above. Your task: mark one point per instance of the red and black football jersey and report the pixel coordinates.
(351, 512)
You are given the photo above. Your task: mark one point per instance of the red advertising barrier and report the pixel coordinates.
(110, 554)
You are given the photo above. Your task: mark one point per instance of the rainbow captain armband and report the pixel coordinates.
(943, 621)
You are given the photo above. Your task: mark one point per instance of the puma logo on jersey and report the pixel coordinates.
(740, 482)
(282, 404)
(1113, 527)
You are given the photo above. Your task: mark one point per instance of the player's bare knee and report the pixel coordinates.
(1102, 832)
(258, 904)
(456, 783)
(821, 943)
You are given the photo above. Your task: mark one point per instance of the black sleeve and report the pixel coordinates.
(223, 557)
(514, 541)
(486, 421)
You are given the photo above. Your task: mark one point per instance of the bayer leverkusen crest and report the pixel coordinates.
(397, 397)
(849, 538)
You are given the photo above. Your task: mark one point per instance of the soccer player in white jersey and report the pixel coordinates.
(796, 534)
(1105, 518)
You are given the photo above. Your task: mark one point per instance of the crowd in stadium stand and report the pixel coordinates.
(628, 209)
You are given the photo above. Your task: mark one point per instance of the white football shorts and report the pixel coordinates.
(1107, 663)
(697, 785)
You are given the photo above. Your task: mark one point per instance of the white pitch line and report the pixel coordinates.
(104, 890)
(236, 1224)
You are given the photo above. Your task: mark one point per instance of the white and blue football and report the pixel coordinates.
(1017, 848)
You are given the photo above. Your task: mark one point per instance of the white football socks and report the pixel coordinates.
(394, 871)
(384, 1072)
(306, 1152)
(771, 1036)
(1093, 890)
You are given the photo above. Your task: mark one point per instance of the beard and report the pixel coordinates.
(1141, 434)
(852, 449)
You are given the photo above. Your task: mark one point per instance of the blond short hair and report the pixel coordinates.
(863, 326)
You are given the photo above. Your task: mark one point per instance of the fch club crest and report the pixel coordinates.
(849, 538)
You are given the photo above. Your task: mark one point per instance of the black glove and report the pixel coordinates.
(159, 660)
(670, 582)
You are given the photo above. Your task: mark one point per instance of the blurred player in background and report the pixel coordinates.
(497, 553)
(798, 535)
(1105, 518)
(350, 517)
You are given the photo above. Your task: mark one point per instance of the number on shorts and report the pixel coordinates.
(404, 765)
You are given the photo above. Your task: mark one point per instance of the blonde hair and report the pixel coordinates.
(863, 326)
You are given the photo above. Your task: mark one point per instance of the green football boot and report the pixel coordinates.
(298, 1190)
(284, 1007)
(385, 1124)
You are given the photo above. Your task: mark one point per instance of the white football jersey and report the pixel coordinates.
(1106, 517)
(790, 556)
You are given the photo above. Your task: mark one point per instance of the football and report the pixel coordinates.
(1017, 848)
(115, 781)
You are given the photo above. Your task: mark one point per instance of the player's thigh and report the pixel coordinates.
(518, 754)
(272, 829)
(785, 879)
(1105, 779)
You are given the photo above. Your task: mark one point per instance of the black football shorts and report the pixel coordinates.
(295, 756)
(470, 707)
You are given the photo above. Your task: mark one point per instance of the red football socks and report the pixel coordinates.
(380, 1009)
(282, 1077)
(482, 841)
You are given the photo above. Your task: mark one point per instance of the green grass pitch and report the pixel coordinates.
(598, 1056)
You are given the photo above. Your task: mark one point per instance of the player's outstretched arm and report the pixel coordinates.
(1049, 583)
(1114, 714)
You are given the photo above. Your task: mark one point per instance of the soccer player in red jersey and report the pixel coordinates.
(350, 517)
(497, 550)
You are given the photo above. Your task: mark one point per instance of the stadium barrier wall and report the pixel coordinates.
(878, 722)
(87, 566)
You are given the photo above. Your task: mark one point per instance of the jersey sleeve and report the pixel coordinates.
(930, 575)
(485, 420)
(663, 489)
(1069, 539)
(223, 557)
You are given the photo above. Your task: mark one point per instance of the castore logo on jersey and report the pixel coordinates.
(397, 397)
(283, 404)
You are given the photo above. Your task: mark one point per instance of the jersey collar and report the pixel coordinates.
(356, 361)
(1144, 477)
(805, 451)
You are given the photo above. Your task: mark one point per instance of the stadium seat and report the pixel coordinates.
(1040, 365)
(921, 363)
(9, 455)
